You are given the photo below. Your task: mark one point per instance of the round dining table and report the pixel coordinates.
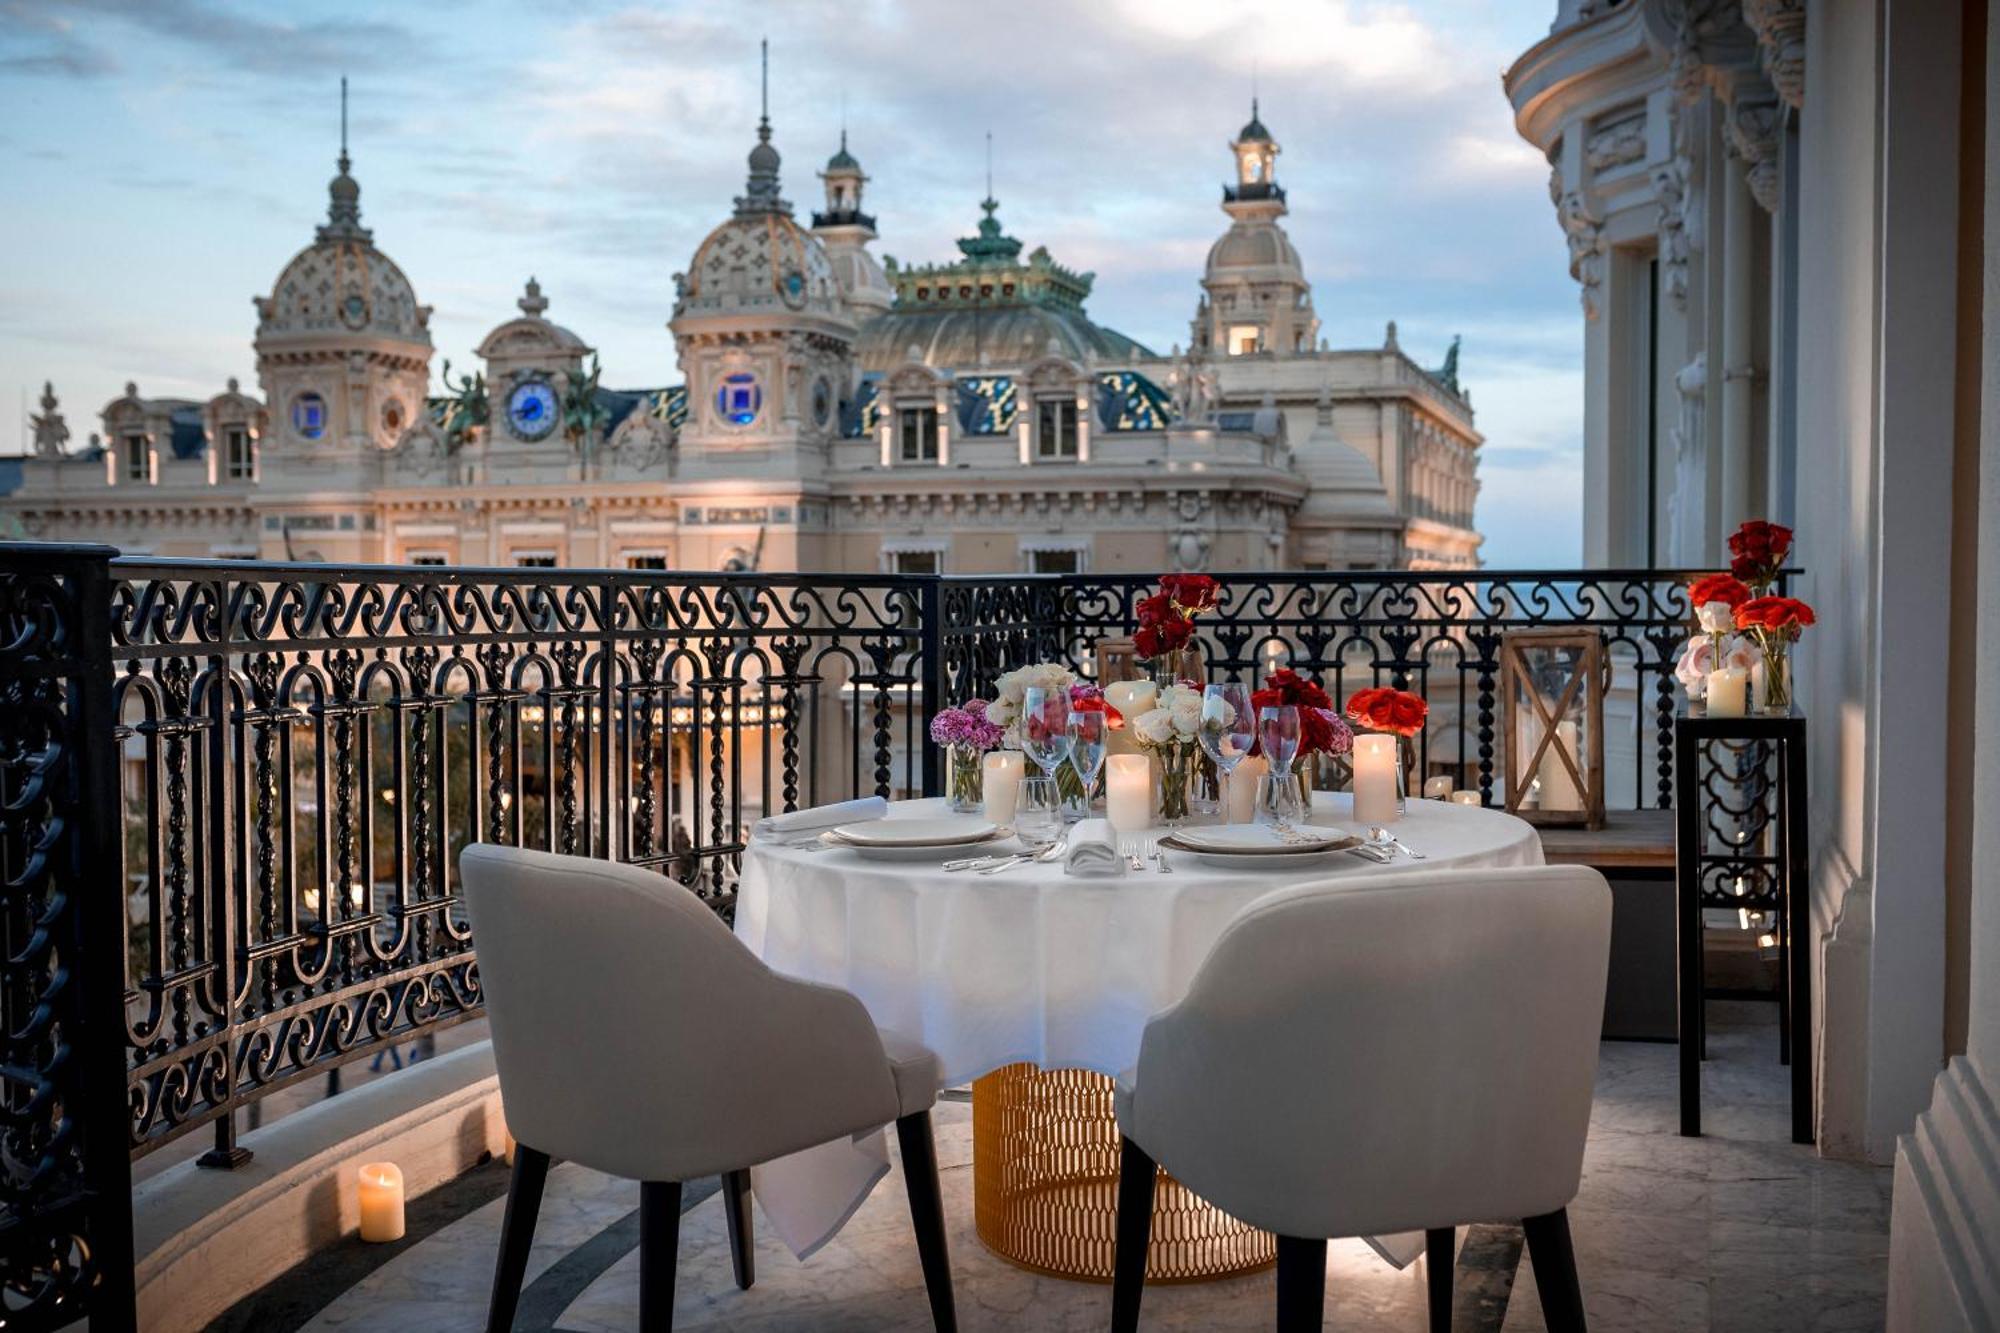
(1036, 985)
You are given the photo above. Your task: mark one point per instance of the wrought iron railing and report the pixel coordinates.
(295, 755)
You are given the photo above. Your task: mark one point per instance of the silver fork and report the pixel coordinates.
(1048, 853)
(1132, 860)
(1160, 859)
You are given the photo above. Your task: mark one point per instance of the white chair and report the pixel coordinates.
(1411, 1054)
(633, 1034)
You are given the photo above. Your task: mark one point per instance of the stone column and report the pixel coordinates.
(1739, 355)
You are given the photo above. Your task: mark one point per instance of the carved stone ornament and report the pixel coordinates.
(1780, 26)
(1585, 232)
(1616, 144)
(1753, 129)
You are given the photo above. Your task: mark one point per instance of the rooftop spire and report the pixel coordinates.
(761, 194)
(343, 209)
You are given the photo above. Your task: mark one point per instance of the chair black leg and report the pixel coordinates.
(1137, 1174)
(1555, 1271)
(920, 1174)
(1301, 1284)
(659, 1251)
(517, 1233)
(742, 1238)
(1439, 1243)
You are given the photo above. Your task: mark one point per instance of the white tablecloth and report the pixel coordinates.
(1029, 964)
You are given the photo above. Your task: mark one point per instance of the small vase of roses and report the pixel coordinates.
(1392, 712)
(1165, 633)
(1321, 731)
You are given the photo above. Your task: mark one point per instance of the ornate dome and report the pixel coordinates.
(966, 339)
(760, 260)
(1344, 485)
(341, 284)
(1254, 244)
(1253, 131)
(530, 333)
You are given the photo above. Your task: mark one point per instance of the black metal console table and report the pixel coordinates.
(1740, 844)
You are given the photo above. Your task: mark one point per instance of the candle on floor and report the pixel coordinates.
(1130, 698)
(1466, 797)
(1559, 791)
(1374, 779)
(1728, 691)
(1128, 792)
(1438, 789)
(381, 1202)
(1242, 792)
(1000, 784)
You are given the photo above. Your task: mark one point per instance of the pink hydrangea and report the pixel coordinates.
(967, 725)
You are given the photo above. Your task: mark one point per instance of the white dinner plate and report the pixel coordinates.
(1253, 840)
(1264, 861)
(929, 851)
(952, 832)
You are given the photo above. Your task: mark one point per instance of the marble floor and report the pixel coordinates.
(1736, 1230)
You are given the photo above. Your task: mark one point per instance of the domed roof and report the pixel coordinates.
(1253, 131)
(1255, 243)
(760, 259)
(531, 333)
(1342, 484)
(842, 160)
(341, 284)
(966, 339)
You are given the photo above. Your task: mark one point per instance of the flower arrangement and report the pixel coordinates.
(966, 733)
(1321, 730)
(1009, 689)
(1709, 652)
(1170, 729)
(1166, 619)
(1397, 712)
(1757, 551)
(1776, 623)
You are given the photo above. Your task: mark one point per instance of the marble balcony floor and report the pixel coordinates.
(1736, 1230)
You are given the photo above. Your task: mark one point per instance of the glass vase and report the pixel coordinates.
(1176, 767)
(964, 778)
(1778, 678)
(1174, 668)
(1406, 764)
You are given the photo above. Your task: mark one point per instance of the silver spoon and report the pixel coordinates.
(1377, 833)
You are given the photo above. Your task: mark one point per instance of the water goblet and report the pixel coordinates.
(1086, 752)
(1278, 731)
(1228, 727)
(1277, 803)
(1045, 727)
(1038, 815)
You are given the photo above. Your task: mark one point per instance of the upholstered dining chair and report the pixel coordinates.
(1410, 1053)
(634, 1035)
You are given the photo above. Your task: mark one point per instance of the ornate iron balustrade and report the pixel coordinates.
(1435, 632)
(294, 755)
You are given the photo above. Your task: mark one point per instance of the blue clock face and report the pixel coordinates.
(531, 410)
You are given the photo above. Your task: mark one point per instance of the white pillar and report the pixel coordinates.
(1738, 359)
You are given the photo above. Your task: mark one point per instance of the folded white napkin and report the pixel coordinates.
(1093, 850)
(823, 816)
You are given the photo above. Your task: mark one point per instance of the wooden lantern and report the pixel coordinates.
(1552, 686)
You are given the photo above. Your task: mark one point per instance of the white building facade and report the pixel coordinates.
(1781, 215)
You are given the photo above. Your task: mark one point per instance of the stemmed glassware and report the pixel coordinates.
(1228, 726)
(1086, 751)
(1045, 727)
(1278, 733)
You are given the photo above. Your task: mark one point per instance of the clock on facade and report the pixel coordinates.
(531, 409)
(309, 416)
(738, 398)
(354, 310)
(793, 286)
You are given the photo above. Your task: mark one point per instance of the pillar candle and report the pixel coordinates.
(1437, 789)
(381, 1202)
(1374, 779)
(1728, 691)
(1559, 790)
(1000, 784)
(1243, 788)
(1130, 698)
(1465, 798)
(1128, 791)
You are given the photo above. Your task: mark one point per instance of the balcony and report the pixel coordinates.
(278, 765)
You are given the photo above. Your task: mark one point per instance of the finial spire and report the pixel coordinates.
(764, 94)
(343, 122)
(989, 164)
(761, 195)
(343, 212)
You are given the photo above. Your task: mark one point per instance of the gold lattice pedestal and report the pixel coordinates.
(1045, 1186)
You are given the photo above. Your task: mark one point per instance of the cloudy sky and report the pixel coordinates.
(165, 158)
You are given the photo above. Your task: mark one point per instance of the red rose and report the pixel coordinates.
(1784, 616)
(1384, 709)
(1191, 593)
(1758, 550)
(1155, 609)
(1162, 637)
(1718, 588)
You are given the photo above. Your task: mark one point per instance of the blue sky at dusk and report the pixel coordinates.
(164, 160)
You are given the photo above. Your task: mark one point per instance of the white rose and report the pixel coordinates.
(1155, 727)
(1697, 659)
(1185, 705)
(1716, 617)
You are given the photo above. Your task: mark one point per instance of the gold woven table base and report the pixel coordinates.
(1045, 1187)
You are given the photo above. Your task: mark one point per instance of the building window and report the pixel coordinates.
(917, 432)
(237, 454)
(1055, 428)
(309, 416)
(645, 560)
(428, 558)
(535, 559)
(1055, 562)
(1244, 339)
(138, 459)
(739, 399)
(915, 562)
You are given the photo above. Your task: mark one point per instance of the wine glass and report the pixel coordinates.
(1278, 730)
(1228, 728)
(1086, 750)
(1045, 727)
(1038, 817)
